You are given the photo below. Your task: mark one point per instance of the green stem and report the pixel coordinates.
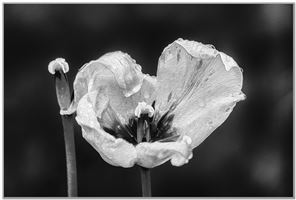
(146, 182)
(70, 154)
(63, 93)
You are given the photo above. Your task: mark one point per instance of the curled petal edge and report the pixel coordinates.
(118, 152)
(69, 111)
(114, 151)
(125, 70)
(154, 154)
(200, 50)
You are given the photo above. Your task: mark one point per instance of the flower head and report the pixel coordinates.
(195, 90)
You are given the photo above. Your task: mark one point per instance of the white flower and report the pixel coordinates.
(195, 90)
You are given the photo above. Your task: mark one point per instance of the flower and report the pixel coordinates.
(195, 90)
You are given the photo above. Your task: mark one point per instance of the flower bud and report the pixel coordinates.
(59, 67)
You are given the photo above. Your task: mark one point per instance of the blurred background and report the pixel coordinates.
(251, 154)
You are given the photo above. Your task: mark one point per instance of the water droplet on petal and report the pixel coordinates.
(201, 103)
(227, 109)
(146, 95)
(169, 56)
(243, 96)
(210, 124)
(170, 96)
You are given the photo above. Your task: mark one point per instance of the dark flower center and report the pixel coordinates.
(157, 128)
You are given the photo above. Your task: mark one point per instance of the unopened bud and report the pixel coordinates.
(59, 67)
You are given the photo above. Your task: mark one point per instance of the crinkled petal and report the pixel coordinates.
(124, 106)
(118, 152)
(126, 71)
(114, 151)
(116, 68)
(121, 78)
(196, 82)
(153, 154)
(147, 92)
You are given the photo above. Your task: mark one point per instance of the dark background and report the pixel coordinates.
(251, 154)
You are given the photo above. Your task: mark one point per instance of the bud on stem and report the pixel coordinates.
(62, 90)
(59, 67)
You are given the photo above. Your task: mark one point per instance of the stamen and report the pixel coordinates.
(140, 130)
(146, 126)
(147, 131)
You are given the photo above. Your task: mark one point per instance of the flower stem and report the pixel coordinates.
(146, 181)
(70, 154)
(145, 172)
(59, 67)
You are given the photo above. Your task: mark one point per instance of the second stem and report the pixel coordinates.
(70, 154)
(146, 182)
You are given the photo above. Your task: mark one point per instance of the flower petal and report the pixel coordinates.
(153, 154)
(114, 151)
(116, 66)
(122, 79)
(198, 124)
(199, 84)
(126, 71)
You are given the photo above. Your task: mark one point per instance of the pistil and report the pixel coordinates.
(140, 129)
(144, 132)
